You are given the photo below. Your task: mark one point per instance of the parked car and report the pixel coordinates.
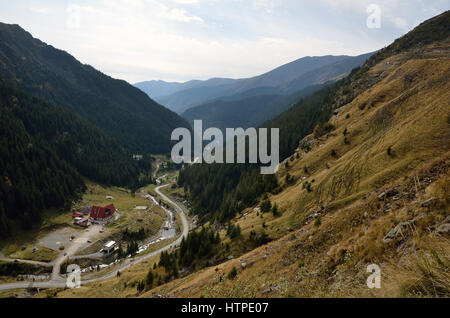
(24, 248)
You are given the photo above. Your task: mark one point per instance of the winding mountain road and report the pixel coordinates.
(59, 282)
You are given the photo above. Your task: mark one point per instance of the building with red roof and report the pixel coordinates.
(102, 214)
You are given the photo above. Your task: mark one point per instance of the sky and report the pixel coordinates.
(180, 40)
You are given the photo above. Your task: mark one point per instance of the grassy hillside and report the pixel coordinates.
(383, 199)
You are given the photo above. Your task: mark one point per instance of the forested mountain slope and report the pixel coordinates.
(115, 106)
(248, 109)
(45, 149)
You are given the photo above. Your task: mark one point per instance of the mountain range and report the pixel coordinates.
(283, 80)
(223, 102)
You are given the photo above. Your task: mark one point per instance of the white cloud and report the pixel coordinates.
(186, 1)
(266, 5)
(177, 14)
(39, 10)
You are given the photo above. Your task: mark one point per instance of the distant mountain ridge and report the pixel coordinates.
(118, 108)
(252, 107)
(285, 80)
(247, 109)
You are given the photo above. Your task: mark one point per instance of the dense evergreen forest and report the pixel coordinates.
(44, 151)
(195, 247)
(219, 191)
(118, 108)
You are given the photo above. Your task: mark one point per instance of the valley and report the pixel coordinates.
(92, 239)
(361, 183)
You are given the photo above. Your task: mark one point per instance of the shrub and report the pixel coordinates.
(140, 286)
(275, 210)
(266, 206)
(233, 273)
(322, 129)
(362, 106)
(307, 186)
(346, 141)
(233, 231)
(389, 151)
(318, 221)
(289, 178)
(149, 280)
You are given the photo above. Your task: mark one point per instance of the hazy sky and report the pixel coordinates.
(179, 40)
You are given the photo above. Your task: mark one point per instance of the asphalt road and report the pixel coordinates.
(60, 282)
(24, 261)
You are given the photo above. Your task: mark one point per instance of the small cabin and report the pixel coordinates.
(83, 222)
(109, 247)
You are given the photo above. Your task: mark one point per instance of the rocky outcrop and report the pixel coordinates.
(444, 227)
(401, 229)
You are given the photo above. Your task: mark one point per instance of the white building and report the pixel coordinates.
(109, 247)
